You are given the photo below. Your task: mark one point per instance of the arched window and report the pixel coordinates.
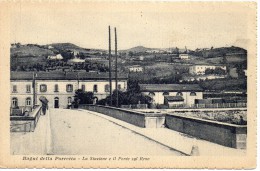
(56, 102)
(95, 88)
(14, 102)
(151, 94)
(166, 93)
(193, 93)
(43, 88)
(28, 101)
(56, 88)
(69, 87)
(179, 94)
(107, 88)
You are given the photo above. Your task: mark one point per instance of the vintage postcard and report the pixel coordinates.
(128, 84)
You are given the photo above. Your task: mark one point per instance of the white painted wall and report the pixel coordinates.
(188, 99)
(200, 69)
(62, 93)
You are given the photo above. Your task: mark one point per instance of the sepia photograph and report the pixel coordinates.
(129, 84)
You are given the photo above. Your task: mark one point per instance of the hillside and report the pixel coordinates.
(220, 52)
(136, 49)
(30, 51)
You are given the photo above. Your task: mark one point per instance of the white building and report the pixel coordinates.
(202, 77)
(180, 94)
(55, 57)
(184, 57)
(59, 87)
(135, 68)
(200, 69)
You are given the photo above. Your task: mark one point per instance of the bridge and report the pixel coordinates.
(83, 132)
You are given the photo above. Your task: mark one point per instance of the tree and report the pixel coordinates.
(219, 71)
(130, 53)
(127, 98)
(83, 97)
(209, 71)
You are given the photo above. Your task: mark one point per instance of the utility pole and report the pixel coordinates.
(109, 56)
(33, 87)
(116, 69)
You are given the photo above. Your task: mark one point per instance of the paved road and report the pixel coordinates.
(82, 133)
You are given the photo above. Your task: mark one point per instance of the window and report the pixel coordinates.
(193, 93)
(28, 88)
(95, 88)
(56, 88)
(166, 93)
(14, 88)
(107, 88)
(69, 88)
(69, 100)
(14, 102)
(179, 94)
(83, 88)
(28, 101)
(43, 87)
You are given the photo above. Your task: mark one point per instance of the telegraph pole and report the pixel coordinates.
(33, 86)
(116, 69)
(109, 56)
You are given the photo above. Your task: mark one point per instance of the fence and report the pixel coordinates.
(214, 105)
(135, 106)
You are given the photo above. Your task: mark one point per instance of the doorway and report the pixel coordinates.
(56, 102)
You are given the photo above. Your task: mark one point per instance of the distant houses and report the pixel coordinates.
(202, 77)
(200, 69)
(55, 57)
(173, 94)
(135, 68)
(184, 56)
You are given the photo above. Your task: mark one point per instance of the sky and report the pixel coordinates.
(150, 24)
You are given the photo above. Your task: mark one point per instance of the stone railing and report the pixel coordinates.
(225, 134)
(25, 123)
(145, 120)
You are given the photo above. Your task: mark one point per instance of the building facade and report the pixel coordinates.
(200, 69)
(59, 87)
(135, 68)
(184, 56)
(184, 94)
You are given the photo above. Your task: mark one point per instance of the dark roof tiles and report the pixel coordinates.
(64, 75)
(169, 87)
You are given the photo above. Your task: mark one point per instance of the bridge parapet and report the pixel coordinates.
(144, 120)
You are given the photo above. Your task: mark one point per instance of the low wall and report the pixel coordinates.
(229, 135)
(132, 117)
(26, 123)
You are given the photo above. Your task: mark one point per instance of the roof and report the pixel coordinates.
(59, 75)
(76, 60)
(169, 87)
(204, 64)
(174, 98)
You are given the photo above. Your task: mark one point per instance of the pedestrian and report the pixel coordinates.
(44, 108)
(44, 104)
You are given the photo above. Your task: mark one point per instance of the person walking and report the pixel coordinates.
(44, 104)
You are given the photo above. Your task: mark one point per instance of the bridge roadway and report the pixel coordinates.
(82, 133)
